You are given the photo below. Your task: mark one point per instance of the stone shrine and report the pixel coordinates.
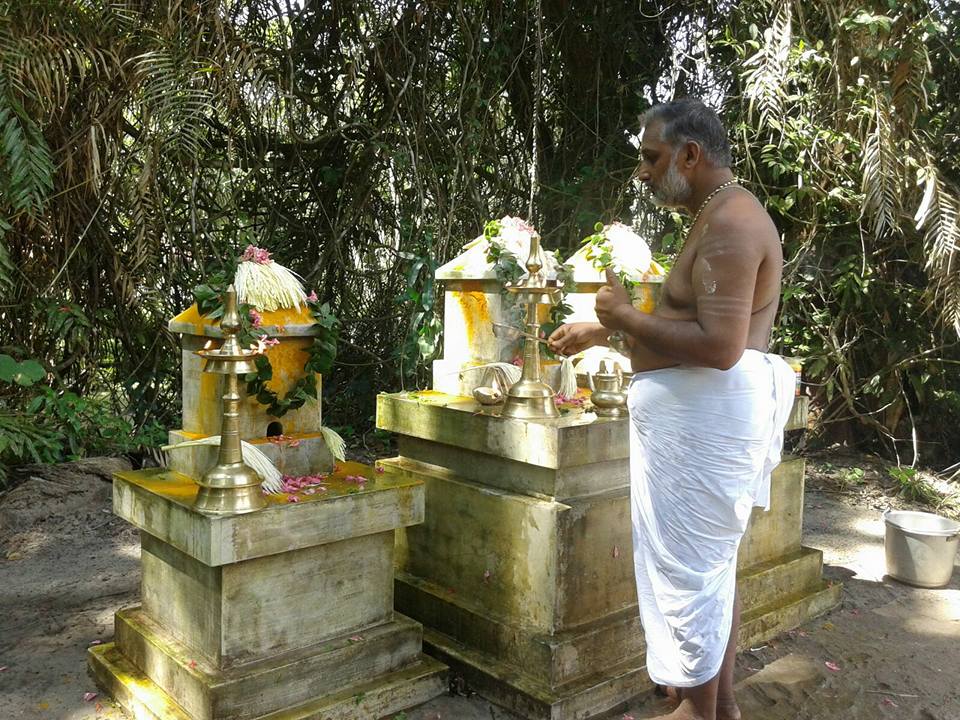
(302, 448)
(284, 612)
(522, 572)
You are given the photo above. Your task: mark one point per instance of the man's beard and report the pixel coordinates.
(673, 190)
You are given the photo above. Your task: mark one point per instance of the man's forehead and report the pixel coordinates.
(650, 134)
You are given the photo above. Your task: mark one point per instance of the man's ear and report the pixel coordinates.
(692, 152)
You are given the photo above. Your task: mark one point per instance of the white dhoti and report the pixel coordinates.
(703, 443)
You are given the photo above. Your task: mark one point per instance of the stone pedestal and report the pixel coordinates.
(522, 573)
(285, 612)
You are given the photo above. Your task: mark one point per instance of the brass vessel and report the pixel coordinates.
(608, 395)
(231, 487)
(531, 398)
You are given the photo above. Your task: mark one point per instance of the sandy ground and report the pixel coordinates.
(66, 565)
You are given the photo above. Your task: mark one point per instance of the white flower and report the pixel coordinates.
(629, 252)
(515, 238)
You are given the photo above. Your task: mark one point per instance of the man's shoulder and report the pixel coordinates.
(741, 215)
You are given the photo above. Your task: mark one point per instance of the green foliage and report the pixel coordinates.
(913, 486)
(24, 373)
(39, 424)
(851, 476)
(833, 108)
(421, 343)
(368, 140)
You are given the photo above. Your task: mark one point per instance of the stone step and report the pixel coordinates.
(258, 688)
(760, 624)
(775, 580)
(597, 694)
(564, 657)
(504, 685)
(378, 697)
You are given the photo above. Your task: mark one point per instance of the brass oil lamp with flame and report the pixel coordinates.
(231, 487)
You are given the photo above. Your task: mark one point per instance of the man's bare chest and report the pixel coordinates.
(677, 295)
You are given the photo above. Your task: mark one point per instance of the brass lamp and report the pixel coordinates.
(231, 487)
(530, 397)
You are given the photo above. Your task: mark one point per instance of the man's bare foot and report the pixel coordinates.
(728, 710)
(685, 711)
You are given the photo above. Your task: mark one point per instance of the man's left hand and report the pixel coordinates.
(611, 299)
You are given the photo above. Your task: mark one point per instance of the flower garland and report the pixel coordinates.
(508, 246)
(618, 247)
(320, 354)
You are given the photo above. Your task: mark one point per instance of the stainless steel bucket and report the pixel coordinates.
(920, 547)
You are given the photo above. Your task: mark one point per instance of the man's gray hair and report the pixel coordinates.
(689, 119)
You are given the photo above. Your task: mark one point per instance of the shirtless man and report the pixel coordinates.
(718, 302)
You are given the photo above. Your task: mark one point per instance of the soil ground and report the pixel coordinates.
(67, 564)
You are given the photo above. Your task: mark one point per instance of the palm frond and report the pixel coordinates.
(765, 71)
(939, 214)
(908, 82)
(881, 174)
(26, 158)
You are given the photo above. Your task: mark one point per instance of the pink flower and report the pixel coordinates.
(256, 319)
(379, 469)
(264, 343)
(255, 254)
(312, 297)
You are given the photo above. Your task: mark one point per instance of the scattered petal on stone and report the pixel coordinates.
(4, 668)
(486, 575)
(832, 666)
(95, 642)
(855, 611)
(192, 663)
(628, 717)
(292, 498)
(888, 702)
(356, 638)
(88, 696)
(803, 633)
(616, 551)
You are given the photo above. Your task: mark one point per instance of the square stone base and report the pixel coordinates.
(377, 697)
(286, 612)
(600, 667)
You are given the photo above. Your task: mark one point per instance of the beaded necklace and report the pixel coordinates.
(703, 205)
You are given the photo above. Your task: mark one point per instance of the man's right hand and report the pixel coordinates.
(571, 339)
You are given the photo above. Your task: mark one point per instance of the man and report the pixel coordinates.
(707, 405)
